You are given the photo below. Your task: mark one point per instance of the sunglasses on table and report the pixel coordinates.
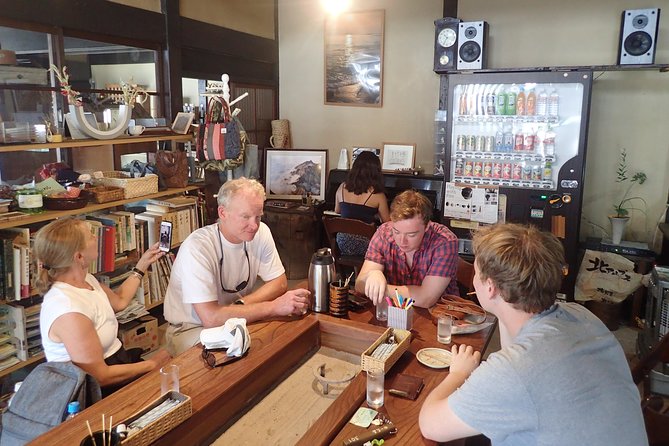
(209, 357)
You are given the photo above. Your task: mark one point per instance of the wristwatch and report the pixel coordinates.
(239, 302)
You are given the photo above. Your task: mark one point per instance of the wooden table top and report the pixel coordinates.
(277, 347)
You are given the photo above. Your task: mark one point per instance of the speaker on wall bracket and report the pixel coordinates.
(472, 38)
(638, 36)
(445, 44)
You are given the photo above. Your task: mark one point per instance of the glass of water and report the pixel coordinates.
(382, 310)
(444, 328)
(375, 382)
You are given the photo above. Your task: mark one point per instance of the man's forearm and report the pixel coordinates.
(269, 291)
(449, 385)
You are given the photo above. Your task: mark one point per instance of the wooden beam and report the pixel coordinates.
(95, 16)
(171, 70)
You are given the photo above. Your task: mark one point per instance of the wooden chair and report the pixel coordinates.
(465, 277)
(655, 412)
(335, 225)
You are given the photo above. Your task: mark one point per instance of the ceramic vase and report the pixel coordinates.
(618, 225)
(121, 124)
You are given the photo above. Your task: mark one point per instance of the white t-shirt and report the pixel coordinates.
(63, 298)
(196, 275)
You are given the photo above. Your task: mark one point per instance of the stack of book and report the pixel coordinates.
(182, 212)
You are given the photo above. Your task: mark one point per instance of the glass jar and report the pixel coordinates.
(29, 200)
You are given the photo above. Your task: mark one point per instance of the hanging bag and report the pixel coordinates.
(213, 144)
(224, 138)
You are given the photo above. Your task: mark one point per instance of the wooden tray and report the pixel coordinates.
(403, 337)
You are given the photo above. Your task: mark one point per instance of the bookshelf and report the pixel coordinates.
(49, 215)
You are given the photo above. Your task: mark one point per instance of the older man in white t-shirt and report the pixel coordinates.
(217, 266)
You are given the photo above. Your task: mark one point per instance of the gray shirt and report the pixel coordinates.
(564, 380)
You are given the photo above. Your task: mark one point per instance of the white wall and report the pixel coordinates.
(410, 87)
(629, 109)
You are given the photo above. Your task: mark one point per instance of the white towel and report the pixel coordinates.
(232, 335)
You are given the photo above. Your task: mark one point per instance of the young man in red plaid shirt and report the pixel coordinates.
(410, 254)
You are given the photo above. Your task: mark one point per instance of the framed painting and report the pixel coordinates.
(182, 122)
(291, 173)
(397, 156)
(354, 58)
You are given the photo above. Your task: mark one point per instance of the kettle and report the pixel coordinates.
(321, 273)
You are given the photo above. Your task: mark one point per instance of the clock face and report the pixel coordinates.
(446, 37)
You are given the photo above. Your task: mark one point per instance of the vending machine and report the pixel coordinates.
(515, 152)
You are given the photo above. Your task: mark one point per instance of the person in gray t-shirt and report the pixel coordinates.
(560, 378)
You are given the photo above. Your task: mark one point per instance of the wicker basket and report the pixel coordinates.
(403, 337)
(105, 194)
(132, 187)
(162, 425)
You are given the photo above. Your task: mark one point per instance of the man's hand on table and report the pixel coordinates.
(292, 302)
(375, 286)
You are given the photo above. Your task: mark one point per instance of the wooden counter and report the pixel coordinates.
(219, 395)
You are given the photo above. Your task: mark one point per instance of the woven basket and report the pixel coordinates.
(105, 194)
(132, 187)
(401, 336)
(157, 428)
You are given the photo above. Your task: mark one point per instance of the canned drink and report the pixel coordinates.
(471, 143)
(480, 143)
(478, 169)
(459, 167)
(536, 172)
(461, 143)
(490, 143)
(497, 170)
(469, 168)
(526, 172)
(517, 171)
(519, 141)
(487, 169)
(506, 170)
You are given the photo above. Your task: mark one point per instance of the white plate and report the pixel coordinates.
(436, 358)
(465, 328)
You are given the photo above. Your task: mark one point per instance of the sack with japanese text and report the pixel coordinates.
(606, 276)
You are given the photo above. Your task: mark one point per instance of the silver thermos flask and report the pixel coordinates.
(321, 273)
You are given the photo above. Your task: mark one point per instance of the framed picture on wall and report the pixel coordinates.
(354, 58)
(291, 173)
(355, 151)
(397, 156)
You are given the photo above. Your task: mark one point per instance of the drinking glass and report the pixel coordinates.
(382, 310)
(169, 378)
(375, 380)
(444, 328)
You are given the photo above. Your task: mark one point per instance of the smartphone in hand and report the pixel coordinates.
(165, 236)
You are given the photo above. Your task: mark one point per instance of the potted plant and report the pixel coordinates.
(622, 208)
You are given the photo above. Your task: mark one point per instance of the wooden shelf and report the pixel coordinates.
(35, 359)
(51, 215)
(69, 143)
(154, 305)
(662, 68)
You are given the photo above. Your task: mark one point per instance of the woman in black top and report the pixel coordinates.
(361, 197)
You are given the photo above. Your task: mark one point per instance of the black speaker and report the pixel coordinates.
(638, 36)
(472, 37)
(445, 44)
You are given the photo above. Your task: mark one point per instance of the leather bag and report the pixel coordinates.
(172, 168)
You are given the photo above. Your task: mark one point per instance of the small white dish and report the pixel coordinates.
(436, 358)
